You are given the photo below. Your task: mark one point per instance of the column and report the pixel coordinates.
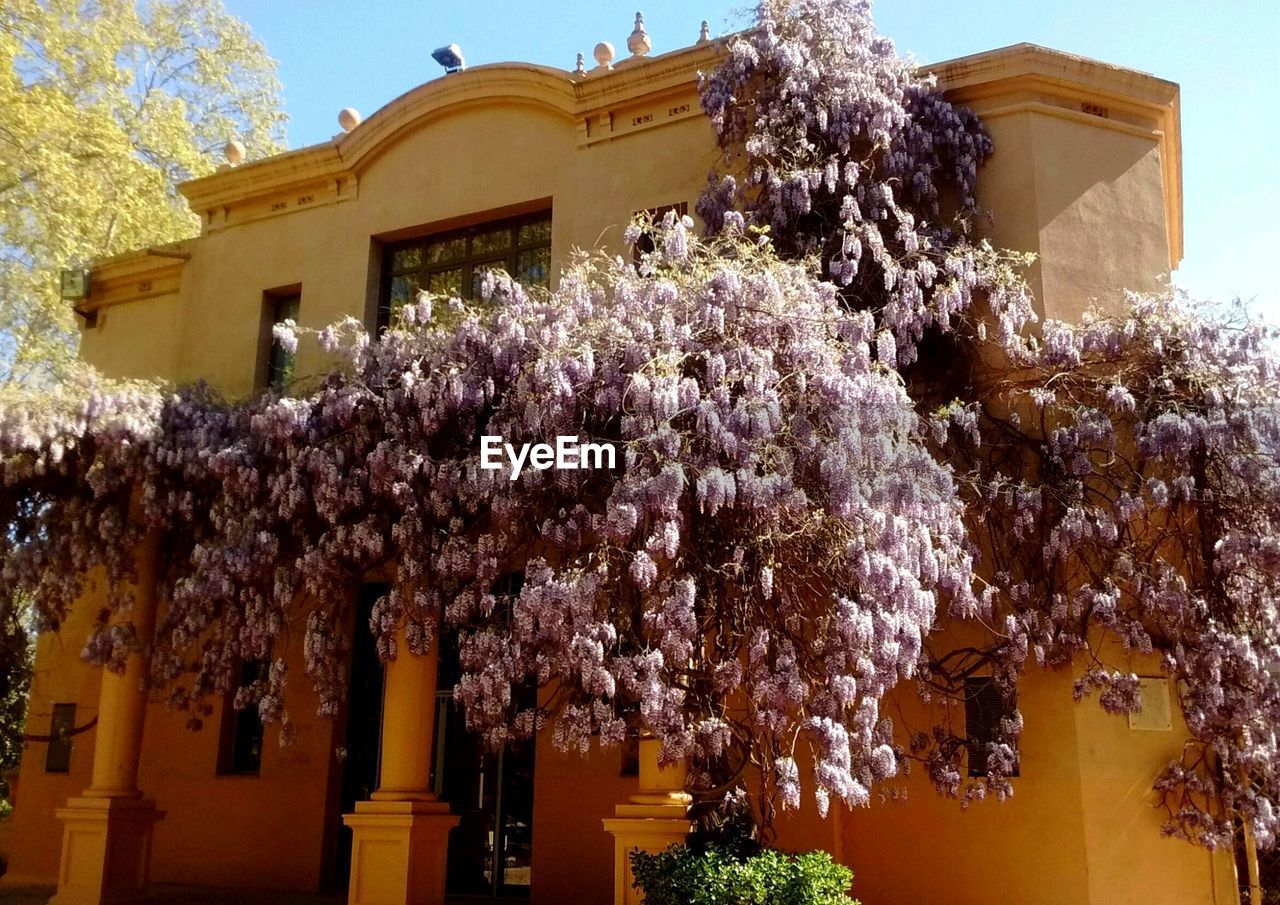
(106, 833)
(654, 819)
(401, 835)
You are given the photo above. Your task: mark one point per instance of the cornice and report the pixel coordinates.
(134, 275)
(291, 180)
(640, 94)
(1030, 78)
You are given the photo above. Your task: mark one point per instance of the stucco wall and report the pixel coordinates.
(1084, 198)
(460, 168)
(32, 836)
(572, 854)
(266, 830)
(1080, 827)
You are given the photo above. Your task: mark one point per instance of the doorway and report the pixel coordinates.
(363, 736)
(491, 849)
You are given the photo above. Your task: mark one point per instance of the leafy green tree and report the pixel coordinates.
(16, 652)
(108, 105)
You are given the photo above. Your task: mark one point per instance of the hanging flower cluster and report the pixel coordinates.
(761, 567)
(835, 144)
(1125, 489)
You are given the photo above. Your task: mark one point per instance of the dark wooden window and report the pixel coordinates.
(57, 758)
(630, 756)
(985, 706)
(276, 370)
(240, 745)
(451, 263)
(644, 245)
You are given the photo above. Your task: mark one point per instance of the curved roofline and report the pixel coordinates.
(1061, 82)
(540, 86)
(558, 91)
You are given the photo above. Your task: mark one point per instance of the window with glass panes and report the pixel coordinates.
(281, 307)
(61, 727)
(452, 263)
(240, 744)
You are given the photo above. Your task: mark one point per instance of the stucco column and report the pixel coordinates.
(408, 726)
(106, 837)
(656, 817)
(400, 836)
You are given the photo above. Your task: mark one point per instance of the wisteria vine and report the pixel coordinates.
(800, 501)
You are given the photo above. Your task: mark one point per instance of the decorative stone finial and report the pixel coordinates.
(704, 35)
(233, 152)
(581, 68)
(348, 118)
(639, 43)
(604, 55)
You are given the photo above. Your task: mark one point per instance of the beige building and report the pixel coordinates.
(516, 164)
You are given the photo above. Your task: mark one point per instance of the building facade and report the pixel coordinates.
(517, 165)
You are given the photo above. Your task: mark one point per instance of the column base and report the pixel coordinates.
(649, 828)
(106, 851)
(399, 850)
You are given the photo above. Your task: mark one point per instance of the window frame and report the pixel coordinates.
(232, 732)
(278, 305)
(469, 261)
(981, 695)
(57, 756)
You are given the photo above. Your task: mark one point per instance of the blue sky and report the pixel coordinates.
(1225, 55)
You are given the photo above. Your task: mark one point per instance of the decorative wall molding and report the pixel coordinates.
(1030, 78)
(643, 93)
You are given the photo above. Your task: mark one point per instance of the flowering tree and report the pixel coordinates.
(1128, 486)
(795, 508)
(764, 565)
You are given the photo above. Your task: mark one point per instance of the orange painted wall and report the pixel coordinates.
(264, 831)
(572, 854)
(1080, 827)
(217, 830)
(32, 836)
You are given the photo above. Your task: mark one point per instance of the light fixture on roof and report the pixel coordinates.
(450, 58)
(73, 284)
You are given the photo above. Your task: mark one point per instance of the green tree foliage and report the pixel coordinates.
(108, 105)
(15, 679)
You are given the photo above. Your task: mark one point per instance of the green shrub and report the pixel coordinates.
(718, 876)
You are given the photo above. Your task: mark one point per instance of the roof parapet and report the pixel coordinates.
(993, 83)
